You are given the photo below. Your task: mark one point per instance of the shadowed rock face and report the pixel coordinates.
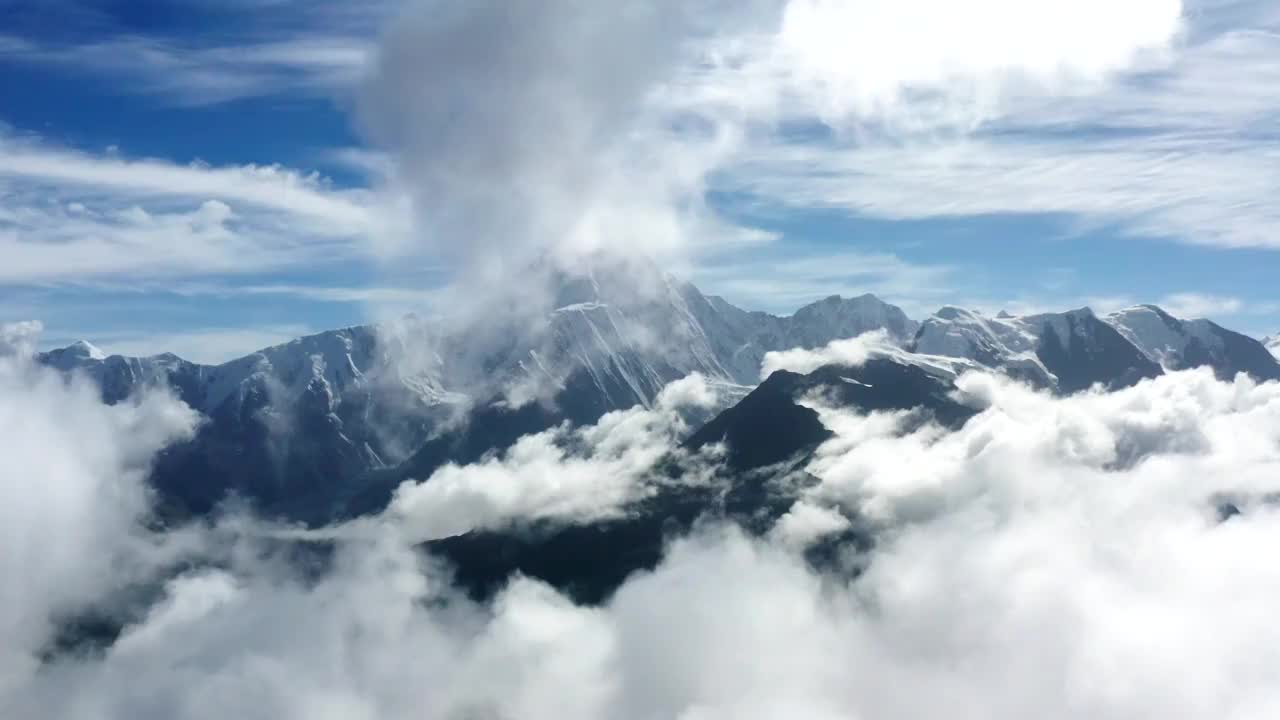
(771, 426)
(1182, 344)
(1084, 351)
(1066, 352)
(1233, 354)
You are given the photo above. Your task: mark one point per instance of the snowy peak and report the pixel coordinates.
(1273, 344)
(836, 317)
(1006, 342)
(741, 338)
(333, 362)
(85, 349)
(1068, 351)
(75, 355)
(1159, 335)
(1177, 344)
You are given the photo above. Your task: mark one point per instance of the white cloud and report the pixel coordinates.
(270, 187)
(563, 474)
(1170, 149)
(1190, 190)
(71, 493)
(922, 64)
(851, 351)
(318, 50)
(73, 216)
(854, 352)
(525, 134)
(1199, 305)
(806, 523)
(19, 339)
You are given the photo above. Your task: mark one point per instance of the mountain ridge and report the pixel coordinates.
(311, 417)
(302, 427)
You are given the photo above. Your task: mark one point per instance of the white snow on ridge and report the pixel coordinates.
(337, 359)
(937, 365)
(87, 349)
(854, 352)
(1161, 337)
(1000, 342)
(1273, 344)
(580, 307)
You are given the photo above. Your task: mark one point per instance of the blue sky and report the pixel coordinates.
(209, 177)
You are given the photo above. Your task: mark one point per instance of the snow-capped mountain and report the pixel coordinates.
(1067, 351)
(1177, 344)
(295, 425)
(304, 427)
(280, 422)
(742, 338)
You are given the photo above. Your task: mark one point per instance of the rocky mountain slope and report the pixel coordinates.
(1067, 351)
(1177, 344)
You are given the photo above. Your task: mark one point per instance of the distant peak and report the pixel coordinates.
(951, 312)
(840, 299)
(85, 349)
(1144, 308)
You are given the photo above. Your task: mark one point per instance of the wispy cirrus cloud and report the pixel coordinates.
(293, 48)
(270, 187)
(208, 75)
(1178, 145)
(67, 215)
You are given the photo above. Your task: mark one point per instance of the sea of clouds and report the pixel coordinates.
(1096, 556)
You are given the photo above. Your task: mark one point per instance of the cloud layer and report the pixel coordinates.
(1102, 555)
(563, 475)
(72, 494)
(68, 216)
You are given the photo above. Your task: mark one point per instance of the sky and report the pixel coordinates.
(211, 177)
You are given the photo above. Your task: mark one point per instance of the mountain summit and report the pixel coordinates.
(1067, 351)
(1178, 344)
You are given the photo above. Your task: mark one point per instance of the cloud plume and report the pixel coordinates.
(564, 129)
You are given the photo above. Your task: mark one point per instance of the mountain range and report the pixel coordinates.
(330, 424)
(326, 427)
